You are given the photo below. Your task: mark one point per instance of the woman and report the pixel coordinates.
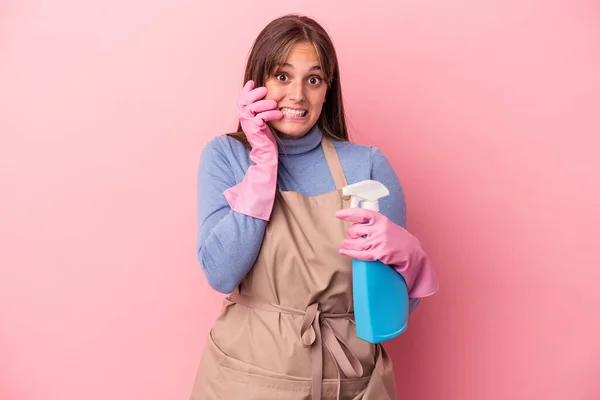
(275, 230)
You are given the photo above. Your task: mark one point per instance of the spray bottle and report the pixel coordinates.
(379, 292)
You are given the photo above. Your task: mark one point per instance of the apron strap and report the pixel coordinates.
(333, 161)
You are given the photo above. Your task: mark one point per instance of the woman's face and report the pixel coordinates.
(299, 88)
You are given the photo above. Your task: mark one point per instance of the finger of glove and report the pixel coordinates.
(248, 86)
(359, 230)
(358, 255)
(252, 96)
(356, 215)
(268, 116)
(358, 244)
(262, 106)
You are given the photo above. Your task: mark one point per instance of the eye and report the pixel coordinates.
(281, 77)
(315, 80)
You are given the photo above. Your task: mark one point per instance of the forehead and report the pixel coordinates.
(301, 54)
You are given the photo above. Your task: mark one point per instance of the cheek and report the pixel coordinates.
(274, 92)
(317, 98)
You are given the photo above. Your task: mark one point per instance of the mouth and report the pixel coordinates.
(293, 112)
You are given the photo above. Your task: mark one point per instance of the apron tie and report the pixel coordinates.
(315, 333)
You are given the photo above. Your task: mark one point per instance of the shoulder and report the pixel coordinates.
(360, 153)
(378, 157)
(224, 148)
(224, 144)
(354, 151)
(363, 159)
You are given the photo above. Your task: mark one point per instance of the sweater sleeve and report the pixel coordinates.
(394, 205)
(228, 243)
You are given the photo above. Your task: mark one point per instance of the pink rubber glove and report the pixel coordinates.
(390, 244)
(255, 195)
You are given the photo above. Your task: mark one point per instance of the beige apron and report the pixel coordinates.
(287, 332)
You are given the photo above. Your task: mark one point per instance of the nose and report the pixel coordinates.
(296, 91)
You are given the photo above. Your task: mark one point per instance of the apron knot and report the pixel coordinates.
(316, 333)
(308, 333)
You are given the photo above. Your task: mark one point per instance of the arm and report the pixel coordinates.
(227, 242)
(394, 205)
(233, 215)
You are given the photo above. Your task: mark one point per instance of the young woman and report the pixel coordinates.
(276, 233)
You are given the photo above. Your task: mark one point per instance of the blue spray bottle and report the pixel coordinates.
(379, 292)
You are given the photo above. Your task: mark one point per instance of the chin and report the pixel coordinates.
(291, 132)
(292, 135)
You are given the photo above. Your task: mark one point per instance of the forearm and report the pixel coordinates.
(229, 250)
(227, 242)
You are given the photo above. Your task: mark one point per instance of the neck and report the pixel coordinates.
(301, 145)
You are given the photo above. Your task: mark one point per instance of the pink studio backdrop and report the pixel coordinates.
(489, 112)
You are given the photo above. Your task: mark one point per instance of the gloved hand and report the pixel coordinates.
(380, 239)
(255, 195)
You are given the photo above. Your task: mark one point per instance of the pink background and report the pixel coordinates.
(489, 112)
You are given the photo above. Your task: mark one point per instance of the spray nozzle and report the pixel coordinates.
(365, 194)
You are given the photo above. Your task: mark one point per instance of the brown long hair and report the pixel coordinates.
(271, 48)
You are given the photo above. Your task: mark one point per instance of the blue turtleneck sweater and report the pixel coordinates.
(228, 242)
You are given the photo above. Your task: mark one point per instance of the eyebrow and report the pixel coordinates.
(313, 68)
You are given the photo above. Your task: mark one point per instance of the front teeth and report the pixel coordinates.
(293, 113)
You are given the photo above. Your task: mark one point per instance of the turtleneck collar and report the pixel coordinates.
(302, 145)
